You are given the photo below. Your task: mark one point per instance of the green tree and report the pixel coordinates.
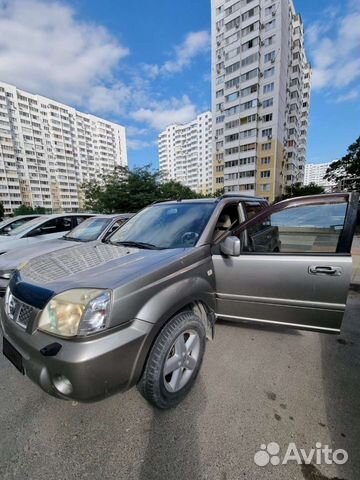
(23, 210)
(2, 210)
(27, 210)
(346, 171)
(125, 190)
(175, 191)
(299, 190)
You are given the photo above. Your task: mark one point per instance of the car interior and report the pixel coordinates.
(228, 219)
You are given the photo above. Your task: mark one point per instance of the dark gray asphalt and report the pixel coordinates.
(257, 385)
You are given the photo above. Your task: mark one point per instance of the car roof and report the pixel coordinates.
(114, 215)
(227, 196)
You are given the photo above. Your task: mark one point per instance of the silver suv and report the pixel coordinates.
(91, 320)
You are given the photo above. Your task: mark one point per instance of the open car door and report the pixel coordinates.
(303, 280)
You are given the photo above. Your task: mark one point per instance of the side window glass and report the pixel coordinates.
(47, 227)
(302, 229)
(113, 228)
(228, 219)
(63, 224)
(79, 220)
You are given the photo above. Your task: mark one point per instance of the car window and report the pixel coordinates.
(55, 225)
(89, 229)
(25, 226)
(6, 227)
(80, 219)
(177, 225)
(252, 209)
(228, 219)
(301, 229)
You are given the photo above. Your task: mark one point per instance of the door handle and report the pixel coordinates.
(325, 270)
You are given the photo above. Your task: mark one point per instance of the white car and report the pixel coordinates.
(11, 223)
(96, 228)
(39, 229)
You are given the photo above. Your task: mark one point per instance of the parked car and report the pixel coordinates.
(9, 224)
(91, 320)
(95, 228)
(42, 228)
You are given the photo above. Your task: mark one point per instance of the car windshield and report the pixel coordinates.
(32, 223)
(88, 230)
(176, 225)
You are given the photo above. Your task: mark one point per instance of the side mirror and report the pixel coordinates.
(231, 246)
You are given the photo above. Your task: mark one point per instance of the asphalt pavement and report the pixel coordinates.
(257, 385)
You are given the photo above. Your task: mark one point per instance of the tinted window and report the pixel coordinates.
(307, 228)
(56, 225)
(177, 225)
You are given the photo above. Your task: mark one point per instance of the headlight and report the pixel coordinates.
(6, 274)
(76, 312)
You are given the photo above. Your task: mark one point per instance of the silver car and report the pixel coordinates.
(44, 227)
(96, 228)
(91, 320)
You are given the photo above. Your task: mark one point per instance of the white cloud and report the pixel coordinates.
(44, 48)
(346, 97)
(138, 144)
(195, 43)
(335, 49)
(162, 114)
(132, 131)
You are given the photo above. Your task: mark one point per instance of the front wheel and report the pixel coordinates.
(174, 361)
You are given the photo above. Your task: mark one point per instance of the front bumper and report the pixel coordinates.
(95, 367)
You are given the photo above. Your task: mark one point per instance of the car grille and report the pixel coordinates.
(24, 315)
(19, 312)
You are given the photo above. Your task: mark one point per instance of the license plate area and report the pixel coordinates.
(13, 355)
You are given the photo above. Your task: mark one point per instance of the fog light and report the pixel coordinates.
(62, 384)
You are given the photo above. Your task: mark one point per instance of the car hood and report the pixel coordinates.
(98, 265)
(8, 243)
(14, 258)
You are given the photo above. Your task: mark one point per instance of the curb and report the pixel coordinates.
(355, 287)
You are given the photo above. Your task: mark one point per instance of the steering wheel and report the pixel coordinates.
(189, 238)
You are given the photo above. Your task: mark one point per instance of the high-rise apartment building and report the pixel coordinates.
(185, 153)
(47, 150)
(260, 96)
(315, 172)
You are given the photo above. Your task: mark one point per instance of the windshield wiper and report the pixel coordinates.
(73, 239)
(130, 243)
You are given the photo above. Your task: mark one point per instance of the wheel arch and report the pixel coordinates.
(196, 295)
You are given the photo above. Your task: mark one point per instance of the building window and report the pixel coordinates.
(266, 146)
(267, 132)
(250, 59)
(232, 97)
(265, 174)
(265, 187)
(268, 88)
(268, 103)
(267, 118)
(265, 160)
(249, 75)
(269, 72)
(269, 57)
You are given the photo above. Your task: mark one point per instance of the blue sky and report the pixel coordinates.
(145, 64)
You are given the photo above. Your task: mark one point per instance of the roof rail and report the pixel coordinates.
(167, 200)
(240, 195)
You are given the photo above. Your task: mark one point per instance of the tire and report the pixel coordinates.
(181, 341)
